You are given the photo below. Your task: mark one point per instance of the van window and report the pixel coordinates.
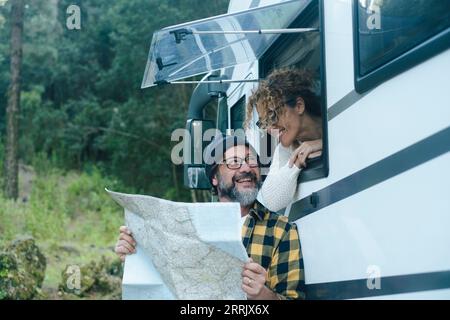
(304, 51)
(390, 29)
(238, 114)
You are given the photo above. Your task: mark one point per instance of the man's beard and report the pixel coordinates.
(245, 198)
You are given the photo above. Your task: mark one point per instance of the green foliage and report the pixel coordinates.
(81, 98)
(85, 124)
(63, 208)
(43, 164)
(99, 277)
(49, 215)
(70, 215)
(12, 217)
(2, 156)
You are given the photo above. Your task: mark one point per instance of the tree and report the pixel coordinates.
(13, 108)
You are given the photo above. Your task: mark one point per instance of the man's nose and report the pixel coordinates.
(245, 167)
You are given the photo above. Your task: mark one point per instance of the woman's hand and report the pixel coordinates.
(308, 149)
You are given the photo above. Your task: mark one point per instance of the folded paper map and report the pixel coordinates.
(184, 250)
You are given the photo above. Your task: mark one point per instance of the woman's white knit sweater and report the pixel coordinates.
(280, 187)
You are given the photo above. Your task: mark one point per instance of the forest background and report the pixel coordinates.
(85, 124)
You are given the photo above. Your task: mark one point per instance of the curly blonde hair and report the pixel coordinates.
(282, 87)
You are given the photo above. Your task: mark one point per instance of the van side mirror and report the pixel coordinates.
(194, 166)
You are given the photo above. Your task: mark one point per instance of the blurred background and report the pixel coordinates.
(83, 124)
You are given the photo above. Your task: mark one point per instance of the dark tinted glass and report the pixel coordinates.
(238, 114)
(389, 28)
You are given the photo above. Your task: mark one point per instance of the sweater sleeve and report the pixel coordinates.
(279, 188)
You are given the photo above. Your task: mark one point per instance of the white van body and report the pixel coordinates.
(399, 228)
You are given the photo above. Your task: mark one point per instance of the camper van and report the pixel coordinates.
(373, 211)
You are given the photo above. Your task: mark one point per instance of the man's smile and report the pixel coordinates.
(246, 181)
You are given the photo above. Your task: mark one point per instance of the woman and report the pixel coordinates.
(289, 109)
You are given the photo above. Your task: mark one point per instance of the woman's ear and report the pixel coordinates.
(300, 105)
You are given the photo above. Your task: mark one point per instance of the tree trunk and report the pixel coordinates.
(13, 108)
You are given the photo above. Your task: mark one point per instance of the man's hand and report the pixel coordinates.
(253, 282)
(125, 244)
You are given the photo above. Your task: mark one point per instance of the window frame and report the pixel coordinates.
(316, 169)
(403, 62)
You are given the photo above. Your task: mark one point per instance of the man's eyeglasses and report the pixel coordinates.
(236, 163)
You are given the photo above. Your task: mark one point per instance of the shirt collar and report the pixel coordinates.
(258, 211)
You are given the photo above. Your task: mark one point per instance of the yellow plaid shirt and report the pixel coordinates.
(273, 242)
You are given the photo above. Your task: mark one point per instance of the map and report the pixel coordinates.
(184, 250)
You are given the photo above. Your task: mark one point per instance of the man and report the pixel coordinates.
(275, 268)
